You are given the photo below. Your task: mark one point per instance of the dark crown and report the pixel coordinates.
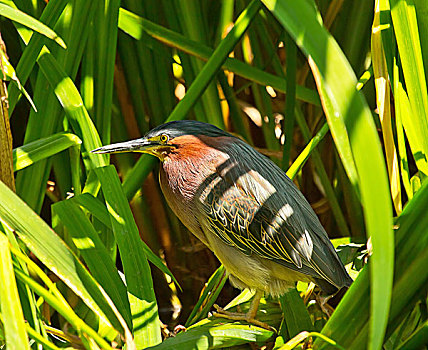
(187, 127)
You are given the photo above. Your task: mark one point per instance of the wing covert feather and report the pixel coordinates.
(246, 211)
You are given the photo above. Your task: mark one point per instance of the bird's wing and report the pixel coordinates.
(246, 211)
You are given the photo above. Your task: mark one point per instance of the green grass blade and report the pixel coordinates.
(403, 112)
(215, 62)
(95, 254)
(39, 339)
(127, 54)
(300, 161)
(209, 295)
(322, 173)
(417, 340)
(194, 27)
(13, 318)
(253, 54)
(34, 232)
(154, 64)
(9, 74)
(28, 58)
(72, 103)
(422, 16)
(290, 98)
(383, 102)
(409, 47)
(63, 308)
(105, 29)
(146, 325)
(135, 26)
(349, 116)
(32, 152)
(96, 208)
(30, 22)
(338, 130)
(215, 335)
(30, 182)
(295, 313)
(410, 277)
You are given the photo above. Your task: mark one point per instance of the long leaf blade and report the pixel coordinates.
(13, 317)
(26, 20)
(139, 282)
(34, 232)
(348, 113)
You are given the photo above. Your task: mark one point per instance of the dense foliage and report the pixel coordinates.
(334, 91)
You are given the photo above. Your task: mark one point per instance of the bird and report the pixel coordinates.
(244, 208)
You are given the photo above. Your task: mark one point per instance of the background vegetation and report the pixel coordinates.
(339, 82)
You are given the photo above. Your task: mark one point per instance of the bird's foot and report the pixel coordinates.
(238, 316)
(323, 303)
(179, 328)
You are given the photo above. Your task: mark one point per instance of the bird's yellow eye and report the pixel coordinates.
(163, 138)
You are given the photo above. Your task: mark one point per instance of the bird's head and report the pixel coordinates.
(166, 138)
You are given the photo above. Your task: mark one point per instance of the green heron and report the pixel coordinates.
(243, 207)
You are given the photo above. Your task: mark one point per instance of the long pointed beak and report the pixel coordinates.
(138, 145)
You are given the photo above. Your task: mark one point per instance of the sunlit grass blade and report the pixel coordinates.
(410, 277)
(63, 308)
(34, 232)
(135, 26)
(39, 339)
(337, 127)
(402, 107)
(30, 22)
(383, 96)
(349, 116)
(194, 28)
(28, 59)
(10, 75)
(208, 297)
(295, 313)
(300, 161)
(215, 333)
(35, 43)
(13, 318)
(72, 103)
(105, 29)
(322, 173)
(31, 182)
(405, 24)
(422, 16)
(145, 319)
(215, 62)
(97, 209)
(96, 256)
(32, 152)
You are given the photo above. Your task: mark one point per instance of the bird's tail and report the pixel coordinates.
(330, 289)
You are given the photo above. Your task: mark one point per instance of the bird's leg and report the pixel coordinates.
(249, 317)
(324, 305)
